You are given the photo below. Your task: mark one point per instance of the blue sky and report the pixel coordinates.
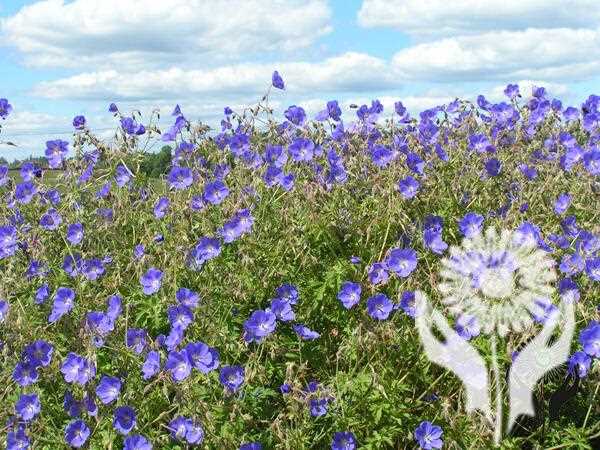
(63, 58)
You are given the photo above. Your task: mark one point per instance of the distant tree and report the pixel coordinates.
(156, 164)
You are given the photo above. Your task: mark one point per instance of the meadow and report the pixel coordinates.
(261, 293)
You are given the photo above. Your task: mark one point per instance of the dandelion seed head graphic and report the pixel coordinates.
(503, 279)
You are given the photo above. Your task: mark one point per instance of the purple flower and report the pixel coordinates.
(17, 440)
(130, 126)
(29, 171)
(56, 152)
(76, 433)
(122, 175)
(136, 442)
(471, 224)
(260, 325)
(590, 339)
(92, 268)
(202, 357)
(8, 241)
(562, 203)
(381, 155)
(467, 326)
(288, 292)
(344, 440)
(151, 365)
(592, 268)
(379, 306)
(124, 419)
(178, 363)
(480, 143)
(108, 389)
(232, 377)
(401, 261)
(184, 429)
(180, 316)
(25, 373)
(512, 91)
(161, 207)
(138, 251)
(38, 353)
(28, 406)
(349, 294)
(318, 407)
(5, 108)
(197, 203)
(591, 161)
(579, 364)
(432, 234)
(429, 436)
(151, 281)
(295, 114)
(544, 310)
(377, 273)
(51, 220)
(187, 297)
(408, 304)
(64, 301)
(569, 291)
(136, 339)
(493, 167)
(180, 177)
(25, 191)
(282, 309)
(285, 388)
(408, 187)
(75, 233)
(572, 264)
(215, 192)
(251, 446)
(114, 307)
(305, 333)
(79, 122)
(206, 249)
(277, 81)
(301, 149)
(76, 369)
(4, 307)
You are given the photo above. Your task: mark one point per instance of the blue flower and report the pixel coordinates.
(277, 81)
(232, 377)
(349, 294)
(379, 306)
(124, 419)
(401, 261)
(579, 364)
(260, 325)
(344, 440)
(76, 433)
(428, 435)
(305, 333)
(590, 339)
(108, 389)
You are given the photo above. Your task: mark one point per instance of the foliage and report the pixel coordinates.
(324, 211)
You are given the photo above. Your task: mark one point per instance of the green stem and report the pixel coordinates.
(498, 390)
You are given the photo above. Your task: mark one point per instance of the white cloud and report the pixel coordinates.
(551, 54)
(143, 33)
(243, 82)
(443, 17)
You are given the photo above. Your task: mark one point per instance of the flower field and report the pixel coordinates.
(262, 293)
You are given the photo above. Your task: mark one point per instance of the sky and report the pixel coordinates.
(63, 58)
